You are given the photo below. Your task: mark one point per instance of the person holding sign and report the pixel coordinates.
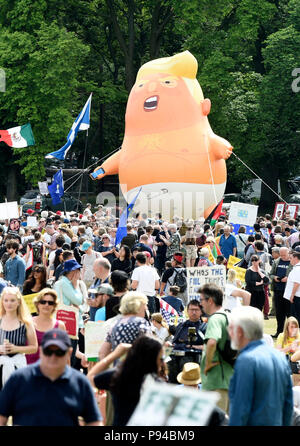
(70, 293)
(45, 302)
(17, 334)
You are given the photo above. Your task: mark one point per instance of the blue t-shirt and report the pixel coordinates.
(32, 399)
(227, 245)
(100, 314)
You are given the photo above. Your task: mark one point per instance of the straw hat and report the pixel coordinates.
(190, 374)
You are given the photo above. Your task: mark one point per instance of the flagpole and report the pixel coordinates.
(84, 158)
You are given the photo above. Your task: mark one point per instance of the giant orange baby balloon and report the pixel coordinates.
(169, 148)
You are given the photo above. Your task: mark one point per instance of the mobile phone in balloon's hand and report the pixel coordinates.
(96, 173)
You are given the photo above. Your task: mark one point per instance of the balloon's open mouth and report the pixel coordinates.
(151, 103)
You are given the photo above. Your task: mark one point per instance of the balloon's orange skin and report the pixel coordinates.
(168, 139)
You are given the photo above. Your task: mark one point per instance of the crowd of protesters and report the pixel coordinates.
(139, 284)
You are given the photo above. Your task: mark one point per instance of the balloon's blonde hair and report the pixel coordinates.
(183, 65)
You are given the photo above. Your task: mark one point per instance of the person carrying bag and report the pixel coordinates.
(71, 299)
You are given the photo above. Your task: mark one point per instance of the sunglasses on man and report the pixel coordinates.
(48, 351)
(49, 302)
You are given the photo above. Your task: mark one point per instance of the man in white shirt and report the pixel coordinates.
(292, 289)
(87, 210)
(145, 279)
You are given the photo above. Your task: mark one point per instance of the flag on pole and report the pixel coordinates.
(236, 227)
(82, 122)
(215, 214)
(18, 137)
(56, 189)
(167, 311)
(122, 229)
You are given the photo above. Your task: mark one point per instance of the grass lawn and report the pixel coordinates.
(270, 325)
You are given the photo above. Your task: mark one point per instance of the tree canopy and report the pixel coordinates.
(56, 52)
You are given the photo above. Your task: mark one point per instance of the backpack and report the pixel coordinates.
(180, 280)
(37, 249)
(228, 354)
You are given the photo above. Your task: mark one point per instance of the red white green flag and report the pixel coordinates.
(215, 214)
(18, 137)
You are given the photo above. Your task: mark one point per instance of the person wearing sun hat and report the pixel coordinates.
(190, 375)
(70, 292)
(88, 260)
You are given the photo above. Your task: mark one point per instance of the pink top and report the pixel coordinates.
(34, 357)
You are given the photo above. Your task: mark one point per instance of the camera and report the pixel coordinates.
(192, 336)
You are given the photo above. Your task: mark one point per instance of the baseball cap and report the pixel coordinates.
(56, 337)
(105, 288)
(86, 245)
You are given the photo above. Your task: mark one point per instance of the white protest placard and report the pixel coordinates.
(171, 405)
(9, 210)
(43, 187)
(32, 222)
(198, 276)
(95, 334)
(242, 213)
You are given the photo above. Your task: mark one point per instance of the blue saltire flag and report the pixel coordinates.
(82, 122)
(122, 229)
(56, 189)
(249, 229)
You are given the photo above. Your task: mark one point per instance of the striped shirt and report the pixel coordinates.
(16, 337)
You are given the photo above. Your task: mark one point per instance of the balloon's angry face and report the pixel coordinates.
(160, 102)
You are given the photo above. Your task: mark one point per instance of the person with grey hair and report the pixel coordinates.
(228, 243)
(260, 390)
(132, 323)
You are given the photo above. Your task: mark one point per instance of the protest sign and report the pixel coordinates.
(170, 405)
(293, 209)
(279, 210)
(43, 187)
(32, 222)
(196, 277)
(94, 336)
(29, 302)
(9, 210)
(242, 213)
(240, 272)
